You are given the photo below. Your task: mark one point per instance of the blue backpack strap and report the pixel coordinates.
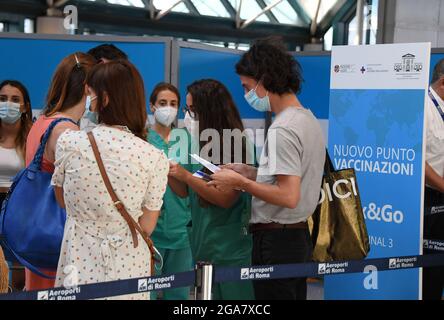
(37, 161)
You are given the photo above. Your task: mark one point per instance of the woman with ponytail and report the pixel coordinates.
(66, 99)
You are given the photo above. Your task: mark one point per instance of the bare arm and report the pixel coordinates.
(178, 187)
(285, 193)
(221, 198)
(59, 196)
(55, 134)
(148, 220)
(433, 179)
(247, 171)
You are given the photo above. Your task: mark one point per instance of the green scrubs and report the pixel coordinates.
(220, 236)
(170, 236)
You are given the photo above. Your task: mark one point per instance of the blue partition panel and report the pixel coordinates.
(315, 91)
(196, 64)
(33, 61)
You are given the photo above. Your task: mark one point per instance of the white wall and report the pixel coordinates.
(414, 21)
(51, 25)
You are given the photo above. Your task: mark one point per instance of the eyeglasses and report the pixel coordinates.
(187, 109)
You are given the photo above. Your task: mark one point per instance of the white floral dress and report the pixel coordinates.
(97, 244)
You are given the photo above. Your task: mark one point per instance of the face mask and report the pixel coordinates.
(259, 104)
(165, 115)
(192, 125)
(91, 115)
(10, 112)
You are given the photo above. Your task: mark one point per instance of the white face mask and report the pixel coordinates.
(192, 125)
(165, 115)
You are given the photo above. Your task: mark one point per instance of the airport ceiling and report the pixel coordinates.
(212, 20)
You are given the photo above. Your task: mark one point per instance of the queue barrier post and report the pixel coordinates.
(204, 281)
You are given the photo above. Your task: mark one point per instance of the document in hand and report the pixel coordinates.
(207, 164)
(202, 175)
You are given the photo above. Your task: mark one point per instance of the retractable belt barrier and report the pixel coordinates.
(107, 289)
(228, 274)
(232, 274)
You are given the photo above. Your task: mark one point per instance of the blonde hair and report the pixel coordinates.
(4, 273)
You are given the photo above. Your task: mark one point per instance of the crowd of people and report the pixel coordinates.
(251, 211)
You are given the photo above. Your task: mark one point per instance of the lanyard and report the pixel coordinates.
(436, 103)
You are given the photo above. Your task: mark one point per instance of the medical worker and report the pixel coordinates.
(170, 236)
(218, 231)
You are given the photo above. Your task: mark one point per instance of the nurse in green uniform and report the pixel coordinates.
(218, 231)
(170, 236)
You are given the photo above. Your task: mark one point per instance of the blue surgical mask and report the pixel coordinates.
(10, 112)
(91, 115)
(259, 104)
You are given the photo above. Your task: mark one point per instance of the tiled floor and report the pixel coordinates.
(315, 289)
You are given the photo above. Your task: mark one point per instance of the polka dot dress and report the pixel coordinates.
(97, 244)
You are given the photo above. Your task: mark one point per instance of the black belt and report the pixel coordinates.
(276, 226)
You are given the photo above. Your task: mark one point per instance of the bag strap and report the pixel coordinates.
(36, 163)
(436, 103)
(328, 165)
(132, 224)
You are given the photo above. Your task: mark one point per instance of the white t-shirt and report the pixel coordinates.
(10, 164)
(295, 146)
(435, 134)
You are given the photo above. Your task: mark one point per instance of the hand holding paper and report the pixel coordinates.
(178, 172)
(226, 179)
(207, 164)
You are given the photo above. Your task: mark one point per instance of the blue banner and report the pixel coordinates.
(376, 126)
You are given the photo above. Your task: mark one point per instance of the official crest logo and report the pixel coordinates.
(408, 64)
